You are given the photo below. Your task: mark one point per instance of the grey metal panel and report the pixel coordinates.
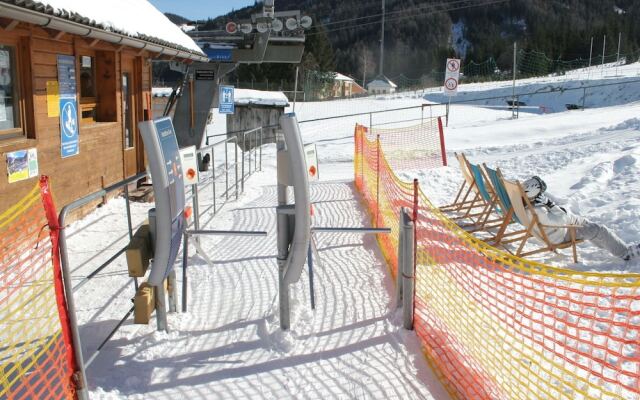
(302, 230)
(284, 54)
(205, 97)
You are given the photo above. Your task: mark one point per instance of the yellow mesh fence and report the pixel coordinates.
(495, 326)
(34, 358)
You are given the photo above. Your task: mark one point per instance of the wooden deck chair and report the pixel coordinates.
(486, 191)
(523, 209)
(466, 204)
(503, 208)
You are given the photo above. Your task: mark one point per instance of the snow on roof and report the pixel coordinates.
(259, 97)
(135, 18)
(340, 77)
(382, 82)
(161, 91)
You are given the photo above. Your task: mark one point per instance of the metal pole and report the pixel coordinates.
(604, 46)
(161, 308)
(185, 258)
(283, 252)
(422, 115)
(236, 168)
(226, 171)
(244, 146)
(513, 92)
(408, 278)
(295, 90)
(400, 268)
(213, 180)
(130, 225)
(377, 179)
(590, 55)
(173, 291)
(311, 290)
(73, 320)
(261, 136)
(364, 73)
(196, 209)
(618, 56)
(382, 42)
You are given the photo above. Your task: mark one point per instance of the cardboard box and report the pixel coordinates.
(139, 252)
(144, 304)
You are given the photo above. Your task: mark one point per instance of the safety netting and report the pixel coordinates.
(413, 147)
(495, 326)
(36, 354)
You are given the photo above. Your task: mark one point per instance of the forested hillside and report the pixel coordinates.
(420, 34)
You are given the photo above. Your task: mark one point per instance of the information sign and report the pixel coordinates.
(227, 105)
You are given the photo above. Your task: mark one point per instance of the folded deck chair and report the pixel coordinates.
(472, 199)
(523, 210)
(503, 207)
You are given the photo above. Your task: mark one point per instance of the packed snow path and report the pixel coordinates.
(229, 345)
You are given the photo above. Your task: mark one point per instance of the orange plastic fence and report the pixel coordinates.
(36, 355)
(495, 326)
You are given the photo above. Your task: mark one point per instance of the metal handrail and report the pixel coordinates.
(66, 273)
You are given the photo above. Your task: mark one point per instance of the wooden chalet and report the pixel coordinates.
(50, 57)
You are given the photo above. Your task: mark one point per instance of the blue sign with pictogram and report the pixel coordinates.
(69, 141)
(69, 128)
(227, 105)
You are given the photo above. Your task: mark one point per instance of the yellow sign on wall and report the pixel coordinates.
(53, 99)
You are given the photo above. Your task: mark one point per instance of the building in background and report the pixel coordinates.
(381, 85)
(345, 86)
(74, 82)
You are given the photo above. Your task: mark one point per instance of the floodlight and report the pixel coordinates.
(262, 27)
(276, 25)
(306, 22)
(291, 24)
(246, 28)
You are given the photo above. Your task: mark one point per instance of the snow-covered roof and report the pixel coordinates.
(161, 91)
(135, 18)
(382, 83)
(259, 97)
(340, 77)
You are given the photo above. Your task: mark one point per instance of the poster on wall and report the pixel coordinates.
(53, 99)
(22, 164)
(68, 106)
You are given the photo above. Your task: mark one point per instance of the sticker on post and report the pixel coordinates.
(311, 155)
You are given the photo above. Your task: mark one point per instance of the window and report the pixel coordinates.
(88, 102)
(10, 117)
(97, 87)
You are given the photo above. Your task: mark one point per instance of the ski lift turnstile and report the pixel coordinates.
(168, 222)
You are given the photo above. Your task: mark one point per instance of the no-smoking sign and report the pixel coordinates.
(452, 76)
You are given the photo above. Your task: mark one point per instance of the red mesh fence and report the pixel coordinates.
(36, 355)
(495, 326)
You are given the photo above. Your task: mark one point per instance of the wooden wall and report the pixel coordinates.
(100, 161)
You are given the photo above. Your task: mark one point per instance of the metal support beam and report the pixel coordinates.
(408, 273)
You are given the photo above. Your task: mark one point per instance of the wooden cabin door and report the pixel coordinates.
(129, 126)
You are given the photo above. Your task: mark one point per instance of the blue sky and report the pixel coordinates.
(199, 9)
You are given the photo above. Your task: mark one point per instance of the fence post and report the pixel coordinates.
(401, 252)
(447, 113)
(416, 199)
(377, 180)
(408, 273)
(130, 225)
(213, 179)
(236, 168)
(226, 170)
(196, 209)
(244, 146)
(185, 259)
(442, 146)
(261, 137)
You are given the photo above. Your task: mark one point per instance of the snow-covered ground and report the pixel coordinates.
(229, 346)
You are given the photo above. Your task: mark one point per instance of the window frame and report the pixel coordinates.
(18, 88)
(87, 103)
